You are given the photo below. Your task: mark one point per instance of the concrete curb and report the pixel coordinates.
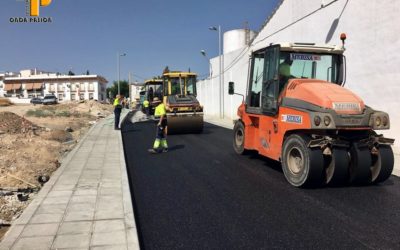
(226, 123)
(130, 223)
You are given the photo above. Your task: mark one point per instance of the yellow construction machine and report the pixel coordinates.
(153, 88)
(184, 112)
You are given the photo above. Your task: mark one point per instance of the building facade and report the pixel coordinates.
(134, 90)
(30, 84)
(2, 91)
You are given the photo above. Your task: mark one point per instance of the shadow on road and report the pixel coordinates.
(176, 147)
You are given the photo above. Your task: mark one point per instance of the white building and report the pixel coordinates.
(2, 91)
(31, 83)
(371, 51)
(134, 90)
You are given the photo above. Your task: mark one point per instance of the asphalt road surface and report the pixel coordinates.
(202, 195)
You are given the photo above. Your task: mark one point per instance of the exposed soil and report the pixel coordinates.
(33, 139)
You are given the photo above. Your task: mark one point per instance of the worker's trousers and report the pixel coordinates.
(161, 138)
(117, 113)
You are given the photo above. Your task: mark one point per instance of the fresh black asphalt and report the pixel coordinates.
(202, 195)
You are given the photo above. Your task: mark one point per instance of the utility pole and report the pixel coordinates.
(118, 70)
(129, 85)
(221, 73)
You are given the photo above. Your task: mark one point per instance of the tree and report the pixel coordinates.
(166, 70)
(70, 73)
(113, 90)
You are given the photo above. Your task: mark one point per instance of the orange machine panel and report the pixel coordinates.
(327, 95)
(265, 133)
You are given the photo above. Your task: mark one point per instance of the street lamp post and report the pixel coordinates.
(221, 83)
(203, 52)
(118, 70)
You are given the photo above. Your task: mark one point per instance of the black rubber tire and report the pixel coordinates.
(360, 163)
(239, 138)
(310, 171)
(384, 162)
(339, 166)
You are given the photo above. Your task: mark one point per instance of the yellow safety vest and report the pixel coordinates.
(284, 69)
(116, 102)
(160, 110)
(146, 104)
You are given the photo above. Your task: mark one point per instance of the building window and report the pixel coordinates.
(90, 96)
(82, 86)
(82, 96)
(73, 87)
(60, 97)
(91, 86)
(73, 97)
(52, 87)
(59, 87)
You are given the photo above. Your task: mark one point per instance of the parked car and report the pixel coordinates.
(36, 100)
(49, 99)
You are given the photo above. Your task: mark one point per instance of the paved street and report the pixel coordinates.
(201, 195)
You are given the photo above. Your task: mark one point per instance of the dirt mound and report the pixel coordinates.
(83, 108)
(14, 124)
(5, 102)
(58, 135)
(32, 141)
(94, 108)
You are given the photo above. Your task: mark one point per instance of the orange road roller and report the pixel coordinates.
(297, 111)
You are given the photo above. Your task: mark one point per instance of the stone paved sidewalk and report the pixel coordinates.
(86, 204)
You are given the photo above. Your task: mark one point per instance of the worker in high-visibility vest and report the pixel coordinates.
(284, 73)
(146, 105)
(160, 114)
(117, 111)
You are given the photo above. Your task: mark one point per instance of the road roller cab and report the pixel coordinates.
(297, 111)
(184, 112)
(153, 88)
(142, 97)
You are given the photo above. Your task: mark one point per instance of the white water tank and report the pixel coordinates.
(237, 39)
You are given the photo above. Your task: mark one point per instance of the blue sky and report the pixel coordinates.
(87, 34)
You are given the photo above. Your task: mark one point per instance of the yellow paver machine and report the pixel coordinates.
(184, 112)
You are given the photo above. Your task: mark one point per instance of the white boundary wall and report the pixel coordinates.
(208, 90)
(372, 51)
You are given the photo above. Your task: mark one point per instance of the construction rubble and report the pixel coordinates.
(33, 140)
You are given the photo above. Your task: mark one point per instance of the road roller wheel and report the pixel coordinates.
(337, 170)
(360, 163)
(382, 164)
(185, 124)
(238, 138)
(302, 166)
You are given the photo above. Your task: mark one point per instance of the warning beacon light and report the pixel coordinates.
(343, 38)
